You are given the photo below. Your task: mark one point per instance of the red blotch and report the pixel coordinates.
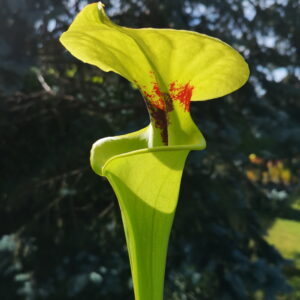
(160, 101)
(156, 97)
(159, 104)
(181, 93)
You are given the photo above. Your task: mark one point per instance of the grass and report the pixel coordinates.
(285, 236)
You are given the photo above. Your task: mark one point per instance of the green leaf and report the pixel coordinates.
(146, 182)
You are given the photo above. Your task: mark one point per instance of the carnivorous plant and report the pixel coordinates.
(171, 68)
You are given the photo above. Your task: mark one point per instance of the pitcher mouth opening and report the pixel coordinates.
(154, 150)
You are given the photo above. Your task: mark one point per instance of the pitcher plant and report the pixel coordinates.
(171, 68)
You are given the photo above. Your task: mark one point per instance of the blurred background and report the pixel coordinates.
(237, 228)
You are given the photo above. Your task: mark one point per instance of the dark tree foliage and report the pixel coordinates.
(61, 232)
